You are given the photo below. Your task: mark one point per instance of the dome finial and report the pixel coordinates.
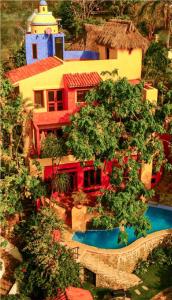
(42, 2)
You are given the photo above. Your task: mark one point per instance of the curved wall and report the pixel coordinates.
(125, 259)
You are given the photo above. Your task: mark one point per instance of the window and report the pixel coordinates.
(58, 132)
(55, 100)
(107, 53)
(16, 91)
(72, 180)
(92, 178)
(34, 51)
(39, 99)
(81, 95)
(59, 47)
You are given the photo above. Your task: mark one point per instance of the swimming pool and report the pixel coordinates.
(108, 239)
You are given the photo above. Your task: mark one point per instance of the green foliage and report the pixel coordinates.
(141, 267)
(53, 147)
(156, 64)
(161, 256)
(79, 198)
(16, 185)
(67, 17)
(61, 182)
(47, 264)
(19, 57)
(117, 123)
(16, 297)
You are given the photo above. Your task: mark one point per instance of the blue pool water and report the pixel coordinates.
(108, 239)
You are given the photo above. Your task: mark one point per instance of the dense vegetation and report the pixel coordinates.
(149, 16)
(46, 263)
(114, 125)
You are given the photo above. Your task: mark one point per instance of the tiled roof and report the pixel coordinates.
(33, 69)
(134, 81)
(82, 79)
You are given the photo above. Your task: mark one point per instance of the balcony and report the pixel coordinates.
(61, 117)
(81, 55)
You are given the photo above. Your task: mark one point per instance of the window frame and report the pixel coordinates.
(36, 51)
(43, 100)
(56, 102)
(107, 53)
(81, 90)
(95, 185)
(74, 173)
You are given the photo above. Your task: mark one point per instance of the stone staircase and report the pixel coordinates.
(107, 276)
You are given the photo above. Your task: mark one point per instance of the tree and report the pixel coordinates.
(115, 124)
(55, 148)
(19, 57)
(123, 8)
(67, 16)
(157, 12)
(83, 9)
(17, 185)
(156, 65)
(47, 265)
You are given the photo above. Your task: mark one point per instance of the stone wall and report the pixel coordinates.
(80, 218)
(125, 259)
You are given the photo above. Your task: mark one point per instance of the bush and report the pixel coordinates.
(158, 256)
(47, 265)
(161, 255)
(141, 267)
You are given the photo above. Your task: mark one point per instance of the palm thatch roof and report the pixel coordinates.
(91, 36)
(121, 34)
(88, 40)
(116, 33)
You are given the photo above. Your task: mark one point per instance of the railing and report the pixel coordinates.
(75, 252)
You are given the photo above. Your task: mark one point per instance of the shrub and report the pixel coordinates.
(47, 265)
(141, 267)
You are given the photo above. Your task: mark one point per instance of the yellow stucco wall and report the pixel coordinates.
(151, 94)
(146, 174)
(128, 65)
(41, 29)
(43, 9)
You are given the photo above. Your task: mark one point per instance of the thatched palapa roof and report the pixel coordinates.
(92, 32)
(116, 33)
(121, 34)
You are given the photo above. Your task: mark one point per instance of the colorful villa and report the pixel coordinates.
(56, 80)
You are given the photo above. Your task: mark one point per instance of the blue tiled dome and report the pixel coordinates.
(43, 2)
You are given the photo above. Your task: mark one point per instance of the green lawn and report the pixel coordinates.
(156, 279)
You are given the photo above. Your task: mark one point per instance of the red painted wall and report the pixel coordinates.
(79, 169)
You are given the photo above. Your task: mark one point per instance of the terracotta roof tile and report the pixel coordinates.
(134, 81)
(82, 79)
(33, 69)
(78, 294)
